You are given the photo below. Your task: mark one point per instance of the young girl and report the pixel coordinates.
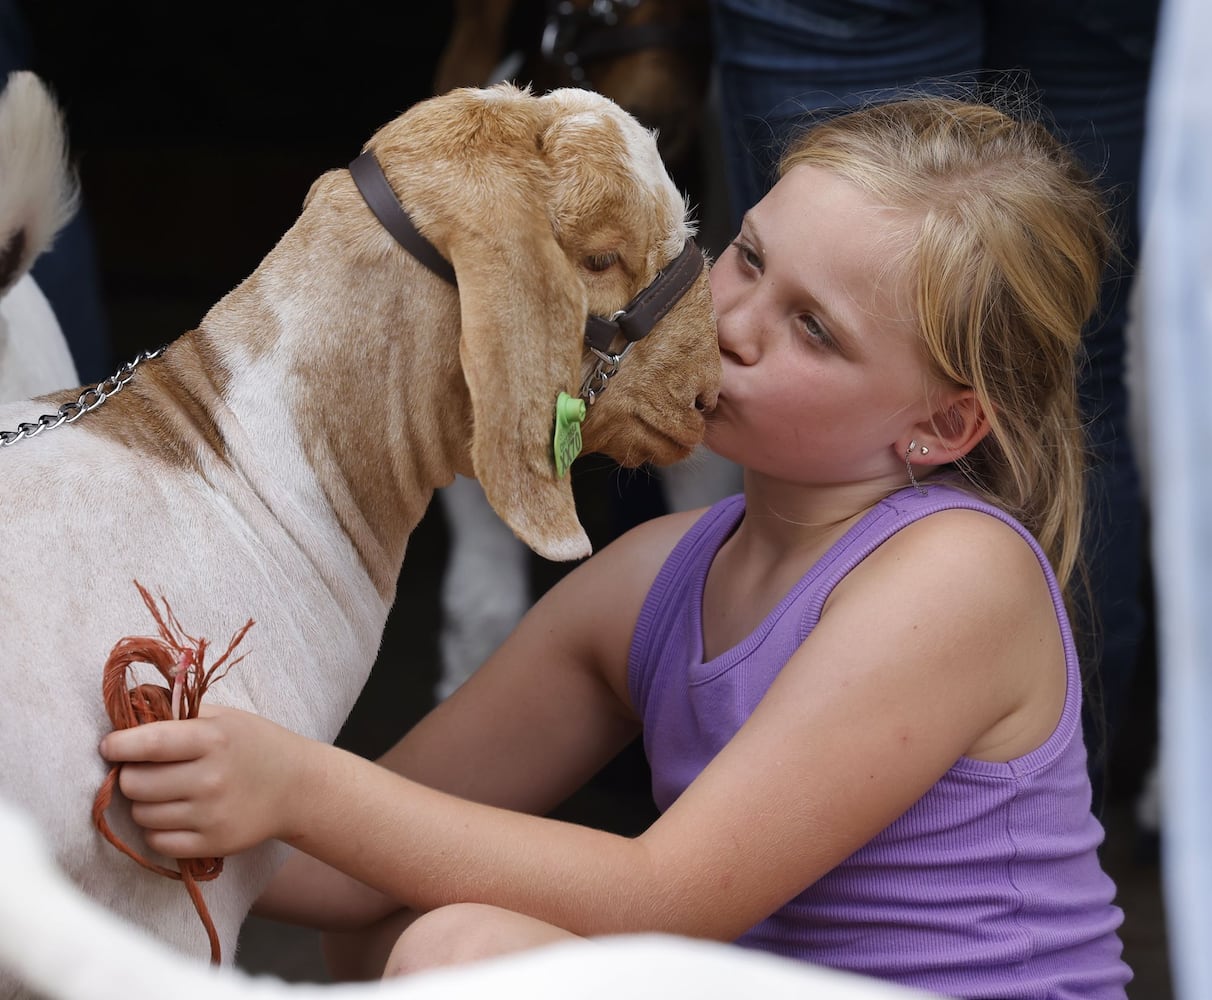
(857, 683)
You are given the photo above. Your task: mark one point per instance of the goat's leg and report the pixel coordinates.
(486, 586)
(699, 480)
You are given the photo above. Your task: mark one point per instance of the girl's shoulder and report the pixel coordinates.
(978, 544)
(955, 552)
(972, 611)
(951, 525)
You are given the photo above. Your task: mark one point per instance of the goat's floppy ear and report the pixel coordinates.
(523, 318)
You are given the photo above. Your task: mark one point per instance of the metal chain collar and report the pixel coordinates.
(604, 370)
(89, 400)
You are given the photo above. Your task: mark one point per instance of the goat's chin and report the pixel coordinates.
(644, 442)
(667, 449)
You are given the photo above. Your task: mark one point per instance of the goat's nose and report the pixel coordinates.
(705, 401)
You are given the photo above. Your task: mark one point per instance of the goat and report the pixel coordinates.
(272, 463)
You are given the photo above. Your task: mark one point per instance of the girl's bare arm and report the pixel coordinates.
(916, 660)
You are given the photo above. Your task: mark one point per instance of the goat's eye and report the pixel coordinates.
(599, 262)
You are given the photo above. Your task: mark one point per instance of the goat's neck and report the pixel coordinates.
(365, 376)
(340, 412)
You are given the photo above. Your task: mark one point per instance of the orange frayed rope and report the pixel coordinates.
(180, 658)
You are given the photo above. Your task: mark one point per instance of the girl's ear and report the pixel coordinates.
(953, 430)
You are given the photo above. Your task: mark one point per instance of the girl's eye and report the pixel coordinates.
(599, 262)
(812, 327)
(747, 255)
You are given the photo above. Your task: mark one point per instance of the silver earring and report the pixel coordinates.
(909, 465)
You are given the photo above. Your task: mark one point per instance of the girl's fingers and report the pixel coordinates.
(177, 844)
(153, 741)
(156, 782)
(163, 816)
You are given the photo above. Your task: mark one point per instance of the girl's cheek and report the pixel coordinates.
(719, 279)
(726, 318)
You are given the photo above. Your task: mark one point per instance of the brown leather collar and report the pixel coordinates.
(634, 321)
(382, 201)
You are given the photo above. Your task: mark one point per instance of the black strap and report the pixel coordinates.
(382, 201)
(636, 320)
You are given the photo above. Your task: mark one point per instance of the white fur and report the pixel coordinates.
(37, 197)
(34, 356)
(63, 946)
(37, 190)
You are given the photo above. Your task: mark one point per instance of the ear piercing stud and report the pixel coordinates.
(909, 465)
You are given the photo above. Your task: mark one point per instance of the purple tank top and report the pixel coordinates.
(989, 886)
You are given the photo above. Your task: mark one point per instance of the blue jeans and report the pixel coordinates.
(1087, 64)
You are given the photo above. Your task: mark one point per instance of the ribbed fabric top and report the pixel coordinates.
(989, 886)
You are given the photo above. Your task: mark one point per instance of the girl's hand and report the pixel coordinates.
(211, 786)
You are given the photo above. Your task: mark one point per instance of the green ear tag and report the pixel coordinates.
(569, 414)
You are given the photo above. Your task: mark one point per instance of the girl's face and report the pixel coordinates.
(823, 373)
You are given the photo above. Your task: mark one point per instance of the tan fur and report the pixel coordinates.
(272, 463)
(515, 196)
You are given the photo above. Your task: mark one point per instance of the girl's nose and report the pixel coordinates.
(735, 313)
(737, 322)
(742, 349)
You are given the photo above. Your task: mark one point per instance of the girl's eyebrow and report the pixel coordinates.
(842, 332)
(747, 223)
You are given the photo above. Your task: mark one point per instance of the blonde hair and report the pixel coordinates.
(1008, 255)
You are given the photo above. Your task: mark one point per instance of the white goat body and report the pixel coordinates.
(272, 463)
(34, 356)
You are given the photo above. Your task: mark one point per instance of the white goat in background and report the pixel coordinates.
(37, 198)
